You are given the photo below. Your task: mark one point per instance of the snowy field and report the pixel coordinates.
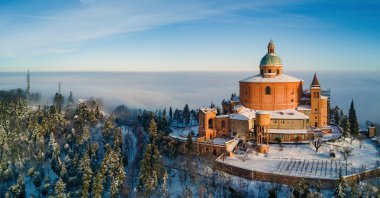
(303, 160)
(209, 182)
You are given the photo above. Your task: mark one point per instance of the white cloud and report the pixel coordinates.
(52, 31)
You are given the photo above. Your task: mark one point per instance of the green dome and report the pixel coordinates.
(270, 59)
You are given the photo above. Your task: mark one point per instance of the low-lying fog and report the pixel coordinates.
(158, 90)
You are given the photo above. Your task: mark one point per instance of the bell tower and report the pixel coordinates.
(318, 105)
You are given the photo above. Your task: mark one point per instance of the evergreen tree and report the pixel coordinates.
(86, 170)
(186, 114)
(354, 125)
(337, 115)
(212, 105)
(153, 132)
(108, 130)
(151, 170)
(218, 110)
(165, 191)
(340, 188)
(27, 92)
(189, 144)
(301, 189)
(98, 185)
(70, 99)
(345, 125)
(18, 189)
(170, 115)
(164, 120)
(58, 101)
(60, 189)
(187, 193)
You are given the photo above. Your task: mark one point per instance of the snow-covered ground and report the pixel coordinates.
(206, 176)
(181, 133)
(302, 159)
(127, 133)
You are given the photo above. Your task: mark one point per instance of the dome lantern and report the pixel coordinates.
(270, 47)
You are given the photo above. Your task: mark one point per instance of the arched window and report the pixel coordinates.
(269, 71)
(210, 124)
(223, 123)
(267, 90)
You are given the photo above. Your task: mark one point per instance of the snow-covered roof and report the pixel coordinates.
(324, 97)
(304, 108)
(181, 133)
(244, 114)
(222, 116)
(220, 141)
(288, 131)
(291, 114)
(207, 109)
(247, 114)
(280, 78)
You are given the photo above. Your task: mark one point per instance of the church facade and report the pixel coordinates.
(271, 107)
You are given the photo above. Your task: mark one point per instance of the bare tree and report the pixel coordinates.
(279, 140)
(346, 153)
(243, 157)
(317, 143)
(360, 138)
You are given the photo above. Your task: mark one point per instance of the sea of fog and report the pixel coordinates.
(152, 90)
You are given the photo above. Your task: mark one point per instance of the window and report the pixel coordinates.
(278, 71)
(291, 100)
(210, 124)
(267, 90)
(223, 123)
(269, 71)
(261, 72)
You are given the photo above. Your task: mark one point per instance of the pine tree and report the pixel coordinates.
(107, 130)
(86, 170)
(170, 115)
(98, 185)
(60, 189)
(18, 190)
(70, 100)
(354, 125)
(346, 126)
(189, 144)
(337, 115)
(153, 132)
(340, 187)
(187, 193)
(164, 120)
(151, 170)
(165, 191)
(27, 92)
(186, 114)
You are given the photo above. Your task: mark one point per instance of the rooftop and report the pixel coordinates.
(247, 114)
(280, 78)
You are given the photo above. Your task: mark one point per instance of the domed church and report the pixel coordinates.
(271, 107)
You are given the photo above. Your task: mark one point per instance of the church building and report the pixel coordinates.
(271, 107)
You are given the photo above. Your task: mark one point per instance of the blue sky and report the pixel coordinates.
(193, 35)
